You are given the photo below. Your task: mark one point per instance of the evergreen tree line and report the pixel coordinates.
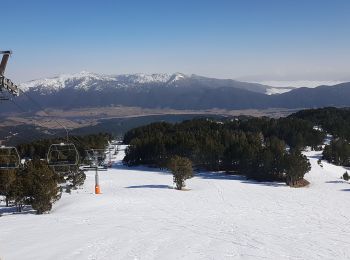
(263, 149)
(338, 152)
(334, 121)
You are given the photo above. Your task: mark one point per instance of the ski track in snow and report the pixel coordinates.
(140, 216)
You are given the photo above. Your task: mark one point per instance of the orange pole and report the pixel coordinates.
(97, 183)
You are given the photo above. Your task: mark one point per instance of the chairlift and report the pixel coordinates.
(99, 156)
(89, 158)
(89, 154)
(95, 158)
(63, 154)
(9, 158)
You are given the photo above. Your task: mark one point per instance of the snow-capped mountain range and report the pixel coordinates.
(177, 91)
(87, 80)
(92, 81)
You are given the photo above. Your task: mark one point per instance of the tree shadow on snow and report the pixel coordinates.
(150, 186)
(316, 156)
(12, 210)
(219, 176)
(345, 190)
(266, 183)
(241, 178)
(202, 175)
(121, 166)
(335, 182)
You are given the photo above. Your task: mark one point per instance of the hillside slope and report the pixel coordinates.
(139, 216)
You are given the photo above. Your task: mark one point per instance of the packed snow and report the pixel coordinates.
(140, 216)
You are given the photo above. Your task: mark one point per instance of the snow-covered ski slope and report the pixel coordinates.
(139, 216)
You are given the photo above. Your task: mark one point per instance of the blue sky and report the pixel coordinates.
(243, 39)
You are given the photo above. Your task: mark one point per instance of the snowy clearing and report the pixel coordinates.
(139, 216)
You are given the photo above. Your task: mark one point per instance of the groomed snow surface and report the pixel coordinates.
(140, 216)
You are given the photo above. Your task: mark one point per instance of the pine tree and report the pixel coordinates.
(76, 178)
(181, 168)
(42, 186)
(19, 190)
(7, 177)
(296, 167)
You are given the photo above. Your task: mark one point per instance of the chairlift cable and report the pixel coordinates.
(17, 136)
(57, 122)
(37, 122)
(43, 110)
(52, 119)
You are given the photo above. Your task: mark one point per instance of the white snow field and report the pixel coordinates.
(139, 216)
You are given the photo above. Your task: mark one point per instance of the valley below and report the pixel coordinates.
(97, 119)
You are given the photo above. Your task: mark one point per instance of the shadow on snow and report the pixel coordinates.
(150, 186)
(12, 210)
(202, 175)
(335, 182)
(121, 166)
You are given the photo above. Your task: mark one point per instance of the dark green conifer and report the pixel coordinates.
(181, 169)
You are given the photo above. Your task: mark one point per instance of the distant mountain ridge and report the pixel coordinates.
(175, 91)
(92, 81)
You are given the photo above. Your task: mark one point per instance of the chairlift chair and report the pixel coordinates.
(9, 158)
(98, 155)
(95, 157)
(63, 154)
(89, 157)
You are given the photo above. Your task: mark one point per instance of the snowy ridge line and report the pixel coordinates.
(85, 80)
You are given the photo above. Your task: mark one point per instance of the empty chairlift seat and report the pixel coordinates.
(63, 154)
(9, 158)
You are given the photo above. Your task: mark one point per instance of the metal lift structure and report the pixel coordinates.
(9, 157)
(6, 85)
